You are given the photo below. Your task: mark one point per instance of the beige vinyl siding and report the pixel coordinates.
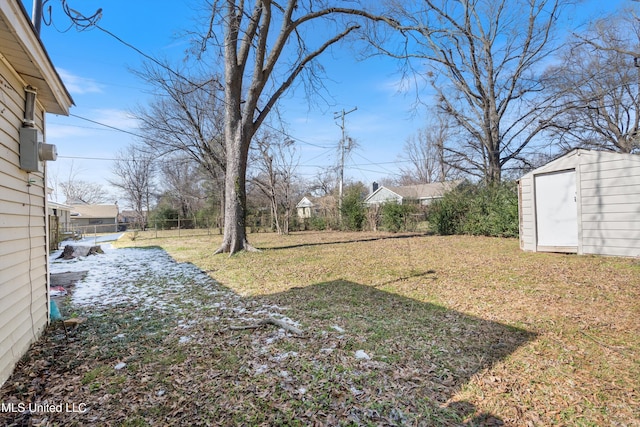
(527, 231)
(610, 204)
(23, 256)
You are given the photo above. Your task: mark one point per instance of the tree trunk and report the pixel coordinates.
(235, 207)
(494, 174)
(237, 138)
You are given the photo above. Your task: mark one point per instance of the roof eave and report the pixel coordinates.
(36, 69)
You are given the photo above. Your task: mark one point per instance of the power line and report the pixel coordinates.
(84, 23)
(106, 125)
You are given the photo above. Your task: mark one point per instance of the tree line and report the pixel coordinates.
(510, 88)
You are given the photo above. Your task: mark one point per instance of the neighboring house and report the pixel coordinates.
(312, 207)
(422, 194)
(585, 202)
(59, 223)
(305, 208)
(62, 212)
(133, 218)
(29, 88)
(94, 218)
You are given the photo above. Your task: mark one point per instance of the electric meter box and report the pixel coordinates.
(30, 138)
(33, 151)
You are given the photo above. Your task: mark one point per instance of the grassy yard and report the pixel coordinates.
(397, 330)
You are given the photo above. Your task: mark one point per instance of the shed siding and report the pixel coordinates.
(23, 258)
(527, 230)
(610, 204)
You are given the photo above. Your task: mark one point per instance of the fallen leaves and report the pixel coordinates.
(489, 336)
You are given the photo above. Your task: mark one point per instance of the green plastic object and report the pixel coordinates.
(54, 312)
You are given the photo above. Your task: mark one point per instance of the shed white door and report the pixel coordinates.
(557, 211)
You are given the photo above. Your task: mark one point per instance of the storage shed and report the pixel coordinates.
(585, 202)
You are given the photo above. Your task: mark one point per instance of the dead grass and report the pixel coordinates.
(460, 330)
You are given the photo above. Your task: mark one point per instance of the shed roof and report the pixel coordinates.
(23, 51)
(571, 159)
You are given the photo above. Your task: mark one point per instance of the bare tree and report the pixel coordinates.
(185, 118)
(324, 183)
(77, 191)
(183, 182)
(133, 172)
(266, 47)
(598, 83)
(83, 192)
(426, 156)
(484, 58)
(275, 162)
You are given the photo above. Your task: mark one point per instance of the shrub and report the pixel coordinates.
(446, 215)
(477, 209)
(397, 217)
(353, 211)
(317, 223)
(164, 217)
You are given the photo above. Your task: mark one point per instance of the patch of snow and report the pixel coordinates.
(285, 319)
(326, 350)
(284, 356)
(119, 366)
(114, 278)
(187, 325)
(184, 340)
(118, 337)
(302, 390)
(277, 336)
(361, 354)
(338, 328)
(261, 369)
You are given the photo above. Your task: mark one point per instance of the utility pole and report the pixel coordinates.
(343, 141)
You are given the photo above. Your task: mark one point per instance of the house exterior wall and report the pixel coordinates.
(304, 208)
(608, 202)
(384, 195)
(24, 278)
(23, 230)
(63, 213)
(94, 218)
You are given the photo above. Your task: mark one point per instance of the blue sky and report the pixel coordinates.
(95, 67)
